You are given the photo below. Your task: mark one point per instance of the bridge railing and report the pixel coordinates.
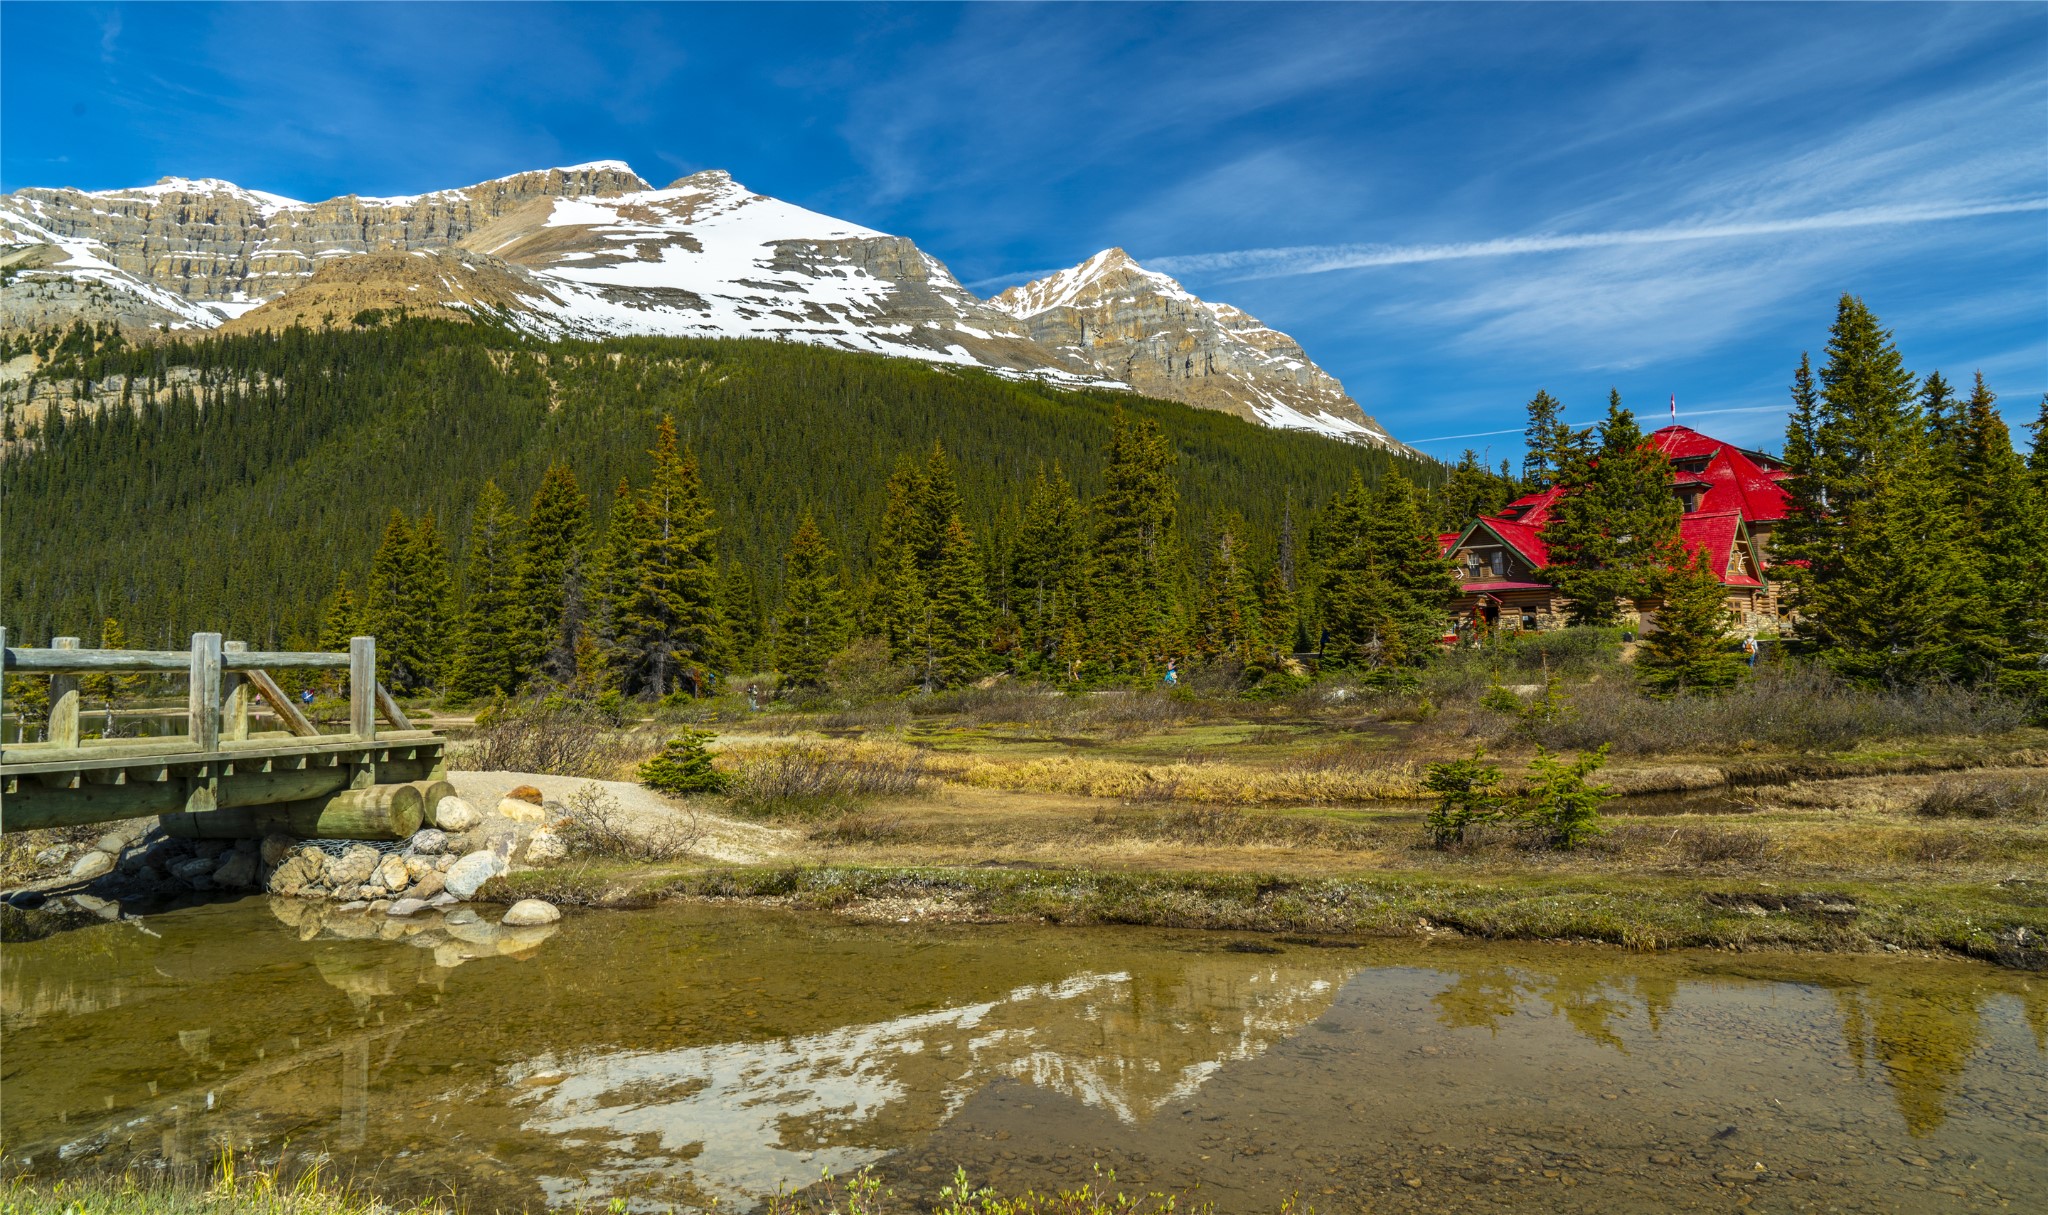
(224, 681)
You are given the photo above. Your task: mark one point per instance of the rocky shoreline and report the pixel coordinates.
(443, 864)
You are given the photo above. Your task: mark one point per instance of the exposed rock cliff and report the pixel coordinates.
(1145, 329)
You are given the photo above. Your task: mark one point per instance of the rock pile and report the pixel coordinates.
(439, 866)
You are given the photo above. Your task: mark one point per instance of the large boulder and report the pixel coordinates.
(193, 868)
(453, 814)
(545, 846)
(429, 841)
(519, 810)
(471, 872)
(530, 913)
(428, 884)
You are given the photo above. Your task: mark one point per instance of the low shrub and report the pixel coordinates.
(2015, 797)
(598, 828)
(1560, 803)
(1717, 845)
(1467, 791)
(807, 780)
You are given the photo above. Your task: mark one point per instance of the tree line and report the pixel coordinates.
(652, 602)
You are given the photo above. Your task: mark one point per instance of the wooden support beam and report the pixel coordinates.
(273, 660)
(236, 694)
(25, 661)
(387, 706)
(203, 697)
(64, 700)
(280, 704)
(362, 687)
(379, 812)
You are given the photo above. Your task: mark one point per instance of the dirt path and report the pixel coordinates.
(724, 839)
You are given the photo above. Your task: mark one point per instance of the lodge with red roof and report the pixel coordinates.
(1732, 499)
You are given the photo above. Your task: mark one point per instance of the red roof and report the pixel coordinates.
(1736, 479)
(1714, 535)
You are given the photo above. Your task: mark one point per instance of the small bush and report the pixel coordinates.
(1713, 845)
(1467, 792)
(1559, 802)
(598, 828)
(683, 765)
(2016, 797)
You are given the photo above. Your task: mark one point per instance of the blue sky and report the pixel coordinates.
(1450, 206)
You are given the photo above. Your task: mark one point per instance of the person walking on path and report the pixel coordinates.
(1749, 647)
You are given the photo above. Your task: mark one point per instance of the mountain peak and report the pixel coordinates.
(1145, 329)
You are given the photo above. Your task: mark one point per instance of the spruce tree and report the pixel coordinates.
(1228, 620)
(1805, 522)
(2002, 518)
(1048, 568)
(436, 598)
(1549, 441)
(1689, 650)
(551, 573)
(1385, 587)
(2037, 457)
(1616, 525)
(812, 625)
(936, 504)
(1135, 612)
(608, 590)
(739, 605)
(894, 607)
(342, 619)
(399, 611)
(669, 630)
(1278, 618)
(956, 633)
(496, 632)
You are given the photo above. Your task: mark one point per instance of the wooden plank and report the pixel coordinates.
(236, 694)
(362, 687)
(24, 660)
(203, 697)
(280, 704)
(63, 731)
(276, 660)
(389, 708)
(86, 662)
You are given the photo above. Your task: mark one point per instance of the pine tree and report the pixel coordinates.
(936, 504)
(739, 605)
(2002, 517)
(669, 630)
(609, 586)
(1616, 526)
(1385, 588)
(496, 633)
(1278, 617)
(1134, 610)
(1944, 419)
(1472, 491)
(894, 609)
(1228, 620)
(1048, 568)
(1805, 522)
(957, 613)
(2037, 457)
(436, 598)
(812, 624)
(400, 612)
(1551, 442)
(1689, 650)
(342, 619)
(551, 573)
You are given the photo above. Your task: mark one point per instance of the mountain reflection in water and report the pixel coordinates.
(687, 1054)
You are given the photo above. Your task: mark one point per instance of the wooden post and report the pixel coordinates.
(3, 685)
(235, 708)
(362, 687)
(202, 701)
(64, 700)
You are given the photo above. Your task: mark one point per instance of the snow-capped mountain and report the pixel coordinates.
(1146, 330)
(593, 250)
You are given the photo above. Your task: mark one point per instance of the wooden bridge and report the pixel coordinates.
(223, 780)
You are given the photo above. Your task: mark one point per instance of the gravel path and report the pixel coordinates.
(724, 839)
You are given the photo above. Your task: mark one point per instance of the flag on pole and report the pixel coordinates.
(1674, 407)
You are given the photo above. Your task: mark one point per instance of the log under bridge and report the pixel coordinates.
(223, 779)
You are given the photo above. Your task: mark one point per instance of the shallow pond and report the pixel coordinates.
(692, 1053)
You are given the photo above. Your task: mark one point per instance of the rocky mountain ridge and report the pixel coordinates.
(593, 250)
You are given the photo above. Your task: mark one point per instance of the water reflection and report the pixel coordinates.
(691, 1054)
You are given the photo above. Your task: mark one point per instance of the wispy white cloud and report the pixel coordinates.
(1321, 259)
